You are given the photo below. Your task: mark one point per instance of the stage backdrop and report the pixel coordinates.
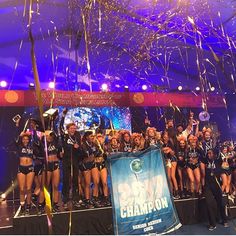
(142, 203)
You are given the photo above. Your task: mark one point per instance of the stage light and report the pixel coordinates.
(104, 87)
(10, 189)
(51, 85)
(31, 86)
(126, 88)
(180, 88)
(212, 89)
(3, 196)
(197, 88)
(144, 87)
(3, 84)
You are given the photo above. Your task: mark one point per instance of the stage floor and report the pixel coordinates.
(99, 220)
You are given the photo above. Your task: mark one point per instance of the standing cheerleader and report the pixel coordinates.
(100, 163)
(181, 155)
(194, 155)
(125, 141)
(54, 153)
(169, 154)
(90, 151)
(152, 138)
(138, 142)
(225, 169)
(25, 174)
(113, 145)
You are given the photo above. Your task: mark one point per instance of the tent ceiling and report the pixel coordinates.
(160, 43)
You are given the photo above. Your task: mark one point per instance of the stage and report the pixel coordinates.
(96, 221)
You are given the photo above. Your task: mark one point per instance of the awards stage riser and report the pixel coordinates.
(99, 221)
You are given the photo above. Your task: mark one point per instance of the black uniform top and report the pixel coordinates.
(213, 169)
(111, 149)
(29, 151)
(25, 151)
(225, 160)
(125, 147)
(53, 148)
(206, 146)
(194, 155)
(90, 149)
(170, 145)
(181, 152)
(152, 142)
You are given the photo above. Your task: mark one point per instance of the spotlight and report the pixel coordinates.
(197, 88)
(144, 87)
(126, 88)
(180, 88)
(51, 85)
(104, 87)
(31, 86)
(3, 84)
(3, 196)
(212, 89)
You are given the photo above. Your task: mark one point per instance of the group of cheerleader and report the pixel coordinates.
(82, 161)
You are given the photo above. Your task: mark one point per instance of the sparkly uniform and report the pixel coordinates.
(126, 147)
(225, 166)
(152, 142)
(89, 152)
(53, 149)
(181, 155)
(26, 152)
(206, 146)
(194, 156)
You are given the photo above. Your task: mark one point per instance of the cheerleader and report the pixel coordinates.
(100, 164)
(138, 142)
(181, 155)
(125, 141)
(225, 169)
(54, 153)
(194, 154)
(90, 151)
(38, 162)
(25, 175)
(113, 145)
(169, 154)
(152, 138)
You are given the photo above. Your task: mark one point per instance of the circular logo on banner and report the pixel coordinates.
(11, 96)
(136, 166)
(138, 98)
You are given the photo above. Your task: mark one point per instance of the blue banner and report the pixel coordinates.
(141, 199)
